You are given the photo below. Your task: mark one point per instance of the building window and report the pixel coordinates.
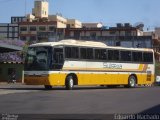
(68, 26)
(93, 35)
(23, 38)
(15, 19)
(19, 20)
(51, 28)
(33, 28)
(32, 38)
(42, 28)
(118, 43)
(23, 28)
(127, 33)
(112, 32)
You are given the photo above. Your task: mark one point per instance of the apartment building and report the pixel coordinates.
(125, 29)
(40, 31)
(40, 26)
(9, 31)
(121, 35)
(73, 23)
(155, 41)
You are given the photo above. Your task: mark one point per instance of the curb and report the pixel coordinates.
(6, 83)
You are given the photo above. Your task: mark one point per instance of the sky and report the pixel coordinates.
(109, 12)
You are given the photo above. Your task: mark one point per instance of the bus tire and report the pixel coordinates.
(69, 82)
(131, 81)
(48, 87)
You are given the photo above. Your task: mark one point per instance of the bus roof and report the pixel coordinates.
(73, 42)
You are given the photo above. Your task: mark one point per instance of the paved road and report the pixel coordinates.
(16, 98)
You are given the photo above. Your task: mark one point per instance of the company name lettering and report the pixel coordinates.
(112, 66)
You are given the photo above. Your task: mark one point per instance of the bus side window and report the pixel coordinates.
(86, 53)
(113, 55)
(125, 55)
(68, 52)
(89, 53)
(75, 52)
(137, 56)
(83, 53)
(148, 57)
(58, 55)
(72, 52)
(100, 54)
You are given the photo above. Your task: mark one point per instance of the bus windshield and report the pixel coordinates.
(38, 58)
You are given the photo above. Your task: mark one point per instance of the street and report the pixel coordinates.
(22, 99)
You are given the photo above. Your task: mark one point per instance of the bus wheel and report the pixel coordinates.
(132, 81)
(69, 82)
(48, 87)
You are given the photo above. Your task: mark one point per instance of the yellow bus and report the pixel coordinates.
(76, 62)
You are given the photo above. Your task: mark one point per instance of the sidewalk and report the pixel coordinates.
(1, 83)
(6, 83)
